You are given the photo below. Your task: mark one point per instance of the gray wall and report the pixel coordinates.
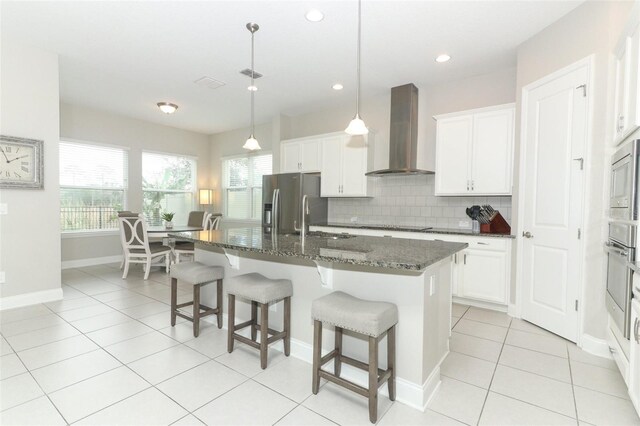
(29, 233)
(89, 125)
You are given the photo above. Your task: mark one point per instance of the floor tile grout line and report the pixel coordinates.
(573, 389)
(495, 368)
(532, 404)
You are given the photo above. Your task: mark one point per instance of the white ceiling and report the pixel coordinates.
(126, 56)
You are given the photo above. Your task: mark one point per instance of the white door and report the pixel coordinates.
(290, 162)
(555, 124)
(311, 156)
(491, 163)
(331, 172)
(354, 167)
(453, 152)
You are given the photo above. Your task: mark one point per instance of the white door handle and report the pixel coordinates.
(527, 234)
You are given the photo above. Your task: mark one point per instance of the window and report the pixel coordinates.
(93, 185)
(242, 185)
(168, 186)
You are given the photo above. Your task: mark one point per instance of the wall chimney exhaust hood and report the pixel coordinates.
(403, 134)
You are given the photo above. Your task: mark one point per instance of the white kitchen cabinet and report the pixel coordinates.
(345, 160)
(627, 60)
(474, 152)
(301, 155)
(634, 355)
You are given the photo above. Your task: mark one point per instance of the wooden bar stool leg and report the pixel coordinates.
(254, 320)
(373, 379)
(287, 326)
(264, 334)
(317, 350)
(231, 319)
(337, 362)
(219, 303)
(174, 300)
(391, 362)
(196, 310)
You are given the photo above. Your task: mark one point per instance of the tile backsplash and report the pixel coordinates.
(410, 201)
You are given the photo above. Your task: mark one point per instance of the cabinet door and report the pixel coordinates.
(354, 166)
(311, 156)
(290, 159)
(634, 358)
(483, 275)
(453, 152)
(331, 170)
(491, 160)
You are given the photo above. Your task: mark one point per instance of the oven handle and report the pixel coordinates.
(611, 249)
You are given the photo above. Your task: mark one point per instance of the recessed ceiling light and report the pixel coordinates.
(314, 15)
(167, 107)
(337, 86)
(443, 58)
(252, 88)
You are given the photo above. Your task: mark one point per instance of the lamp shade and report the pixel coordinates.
(356, 127)
(206, 196)
(251, 144)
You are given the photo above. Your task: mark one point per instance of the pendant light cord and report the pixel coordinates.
(358, 61)
(252, 84)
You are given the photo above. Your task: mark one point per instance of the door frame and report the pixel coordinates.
(588, 63)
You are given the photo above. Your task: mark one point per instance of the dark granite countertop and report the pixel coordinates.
(421, 229)
(380, 252)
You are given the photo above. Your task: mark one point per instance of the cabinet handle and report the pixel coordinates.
(465, 259)
(455, 258)
(472, 184)
(635, 331)
(620, 122)
(468, 185)
(483, 244)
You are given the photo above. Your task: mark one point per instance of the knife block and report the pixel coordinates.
(497, 226)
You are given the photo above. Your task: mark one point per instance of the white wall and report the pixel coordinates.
(29, 234)
(90, 125)
(592, 28)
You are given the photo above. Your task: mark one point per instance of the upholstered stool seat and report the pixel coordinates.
(260, 291)
(196, 274)
(369, 318)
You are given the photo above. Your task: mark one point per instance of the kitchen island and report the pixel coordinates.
(413, 274)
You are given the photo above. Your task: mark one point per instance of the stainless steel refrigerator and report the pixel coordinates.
(282, 202)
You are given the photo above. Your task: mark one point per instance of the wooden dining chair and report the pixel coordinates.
(136, 246)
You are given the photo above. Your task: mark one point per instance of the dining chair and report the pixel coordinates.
(207, 216)
(136, 246)
(196, 218)
(125, 213)
(212, 223)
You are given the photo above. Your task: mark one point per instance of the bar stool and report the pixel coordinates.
(198, 275)
(261, 291)
(372, 319)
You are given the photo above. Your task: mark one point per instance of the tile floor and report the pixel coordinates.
(106, 354)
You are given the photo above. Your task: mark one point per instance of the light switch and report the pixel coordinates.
(4, 208)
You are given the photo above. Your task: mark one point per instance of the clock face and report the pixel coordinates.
(17, 162)
(20, 163)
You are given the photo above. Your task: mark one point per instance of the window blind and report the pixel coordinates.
(242, 185)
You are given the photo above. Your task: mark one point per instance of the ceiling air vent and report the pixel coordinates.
(209, 82)
(247, 72)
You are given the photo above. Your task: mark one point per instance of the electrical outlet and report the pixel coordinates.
(464, 224)
(2, 277)
(354, 219)
(4, 208)
(432, 285)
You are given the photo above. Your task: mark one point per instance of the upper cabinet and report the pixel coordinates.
(345, 160)
(474, 152)
(301, 155)
(627, 60)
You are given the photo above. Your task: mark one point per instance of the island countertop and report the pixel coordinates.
(380, 252)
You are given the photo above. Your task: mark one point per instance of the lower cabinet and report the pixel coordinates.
(482, 275)
(634, 355)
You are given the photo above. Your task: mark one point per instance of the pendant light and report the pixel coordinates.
(357, 126)
(252, 143)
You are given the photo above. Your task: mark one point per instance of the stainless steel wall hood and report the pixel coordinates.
(403, 133)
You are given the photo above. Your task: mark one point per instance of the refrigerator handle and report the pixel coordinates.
(276, 209)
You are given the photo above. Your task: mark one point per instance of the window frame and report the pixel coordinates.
(125, 192)
(193, 192)
(223, 180)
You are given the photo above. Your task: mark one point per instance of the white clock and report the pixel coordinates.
(21, 163)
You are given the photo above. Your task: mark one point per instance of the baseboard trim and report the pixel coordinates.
(32, 298)
(595, 346)
(512, 310)
(90, 261)
(480, 304)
